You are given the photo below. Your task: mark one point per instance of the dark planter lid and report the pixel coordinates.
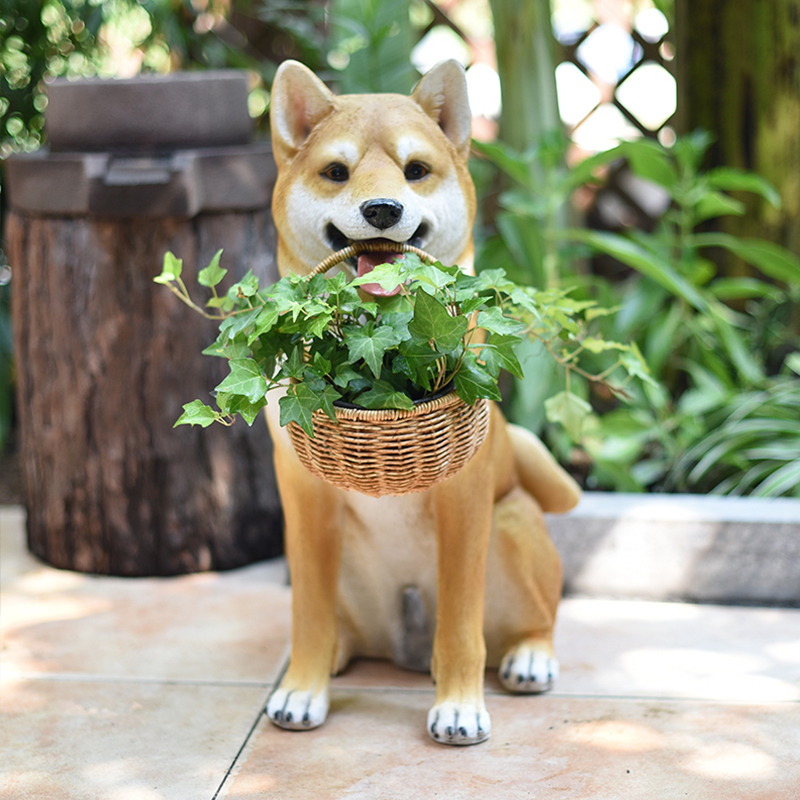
(182, 110)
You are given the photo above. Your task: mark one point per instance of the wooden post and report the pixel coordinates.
(106, 358)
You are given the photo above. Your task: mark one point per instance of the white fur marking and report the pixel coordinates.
(409, 146)
(297, 710)
(459, 723)
(341, 150)
(526, 670)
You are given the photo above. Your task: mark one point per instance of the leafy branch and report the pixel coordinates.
(321, 341)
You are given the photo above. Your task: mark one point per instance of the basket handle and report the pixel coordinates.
(367, 246)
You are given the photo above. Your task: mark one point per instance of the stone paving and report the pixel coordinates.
(152, 689)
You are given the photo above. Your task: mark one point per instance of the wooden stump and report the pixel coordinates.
(105, 360)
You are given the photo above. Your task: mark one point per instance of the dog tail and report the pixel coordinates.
(540, 474)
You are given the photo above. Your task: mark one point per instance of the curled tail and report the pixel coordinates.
(540, 474)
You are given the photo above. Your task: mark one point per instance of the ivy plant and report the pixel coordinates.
(713, 341)
(324, 342)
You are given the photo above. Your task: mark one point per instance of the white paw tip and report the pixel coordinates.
(297, 710)
(455, 724)
(528, 671)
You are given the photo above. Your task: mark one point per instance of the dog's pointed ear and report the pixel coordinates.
(299, 100)
(442, 93)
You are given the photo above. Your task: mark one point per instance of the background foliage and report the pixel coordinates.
(723, 348)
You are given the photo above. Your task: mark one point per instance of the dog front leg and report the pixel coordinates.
(312, 514)
(463, 523)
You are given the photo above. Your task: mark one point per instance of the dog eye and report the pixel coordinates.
(336, 172)
(416, 171)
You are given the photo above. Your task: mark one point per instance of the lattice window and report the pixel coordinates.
(615, 82)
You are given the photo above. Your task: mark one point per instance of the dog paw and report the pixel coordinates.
(459, 723)
(528, 670)
(296, 710)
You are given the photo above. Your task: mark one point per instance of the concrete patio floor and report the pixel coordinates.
(152, 689)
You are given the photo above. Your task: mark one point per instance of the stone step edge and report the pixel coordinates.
(695, 548)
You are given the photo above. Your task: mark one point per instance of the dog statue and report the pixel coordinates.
(463, 575)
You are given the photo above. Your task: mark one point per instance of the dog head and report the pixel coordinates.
(371, 167)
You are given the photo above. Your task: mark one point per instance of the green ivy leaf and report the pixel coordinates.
(396, 313)
(636, 366)
(324, 392)
(224, 303)
(171, 269)
(346, 376)
(569, 410)
(499, 353)
(294, 366)
(388, 276)
(236, 323)
(238, 404)
(493, 321)
(370, 345)
(228, 348)
(472, 304)
(384, 395)
(265, 320)
(473, 382)
(432, 322)
(417, 361)
(595, 312)
(435, 275)
(246, 287)
(597, 345)
(197, 413)
(298, 405)
(213, 273)
(318, 327)
(246, 379)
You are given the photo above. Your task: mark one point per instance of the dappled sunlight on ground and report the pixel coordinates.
(153, 689)
(683, 672)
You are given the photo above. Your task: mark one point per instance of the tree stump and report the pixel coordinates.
(105, 360)
(739, 77)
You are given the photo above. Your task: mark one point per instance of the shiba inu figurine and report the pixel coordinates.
(463, 575)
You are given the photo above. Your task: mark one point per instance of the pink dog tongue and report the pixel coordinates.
(367, 262)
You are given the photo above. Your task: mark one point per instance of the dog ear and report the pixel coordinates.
(442, 93)
(299, 101)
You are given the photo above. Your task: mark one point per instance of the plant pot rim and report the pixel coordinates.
(443, 392)
(423, 407)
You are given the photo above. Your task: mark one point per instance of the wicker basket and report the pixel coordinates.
(390, 451)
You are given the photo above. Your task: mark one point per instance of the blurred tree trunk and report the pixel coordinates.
(739, 77)
(526, 64)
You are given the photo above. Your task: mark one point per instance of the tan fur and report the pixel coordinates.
(475, 548)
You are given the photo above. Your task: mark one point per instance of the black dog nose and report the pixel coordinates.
(382, 213)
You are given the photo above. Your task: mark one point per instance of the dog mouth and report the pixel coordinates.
(367, 260)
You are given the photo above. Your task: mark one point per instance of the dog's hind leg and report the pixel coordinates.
(524, 580)
(312, 514)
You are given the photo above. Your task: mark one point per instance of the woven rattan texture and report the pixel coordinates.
(391, 452)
